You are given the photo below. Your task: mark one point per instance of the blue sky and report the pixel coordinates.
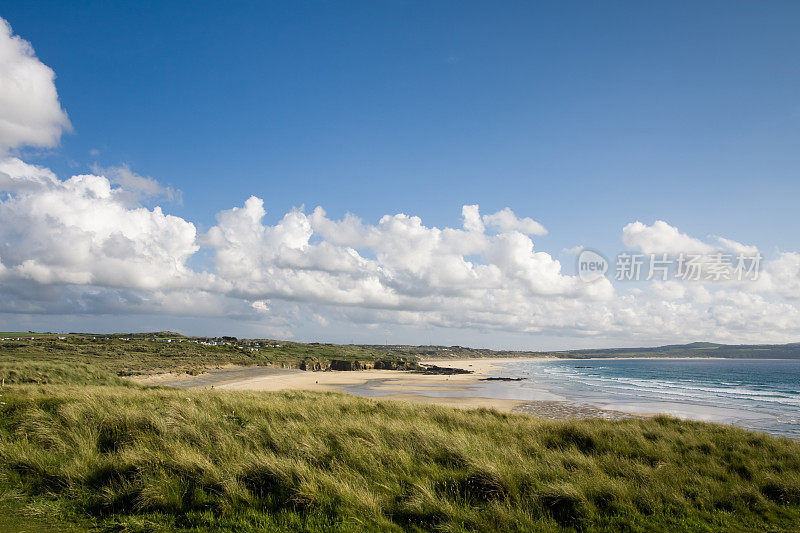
(584, 116)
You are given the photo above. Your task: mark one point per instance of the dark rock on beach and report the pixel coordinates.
(446, 371)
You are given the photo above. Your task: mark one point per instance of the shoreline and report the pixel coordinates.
(397, 385)
(479, 366)
(454, 390)
(393, 385)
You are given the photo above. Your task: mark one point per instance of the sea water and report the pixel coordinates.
(759, 394)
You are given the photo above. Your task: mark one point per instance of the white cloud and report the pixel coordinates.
(737, 247)
(17, 176)
(669, 290)
(278, 261)
(261, 305)
(575, 250)
(662, 238)
(78, 246)
(413, 263)
(780, 277)
(472, 218)
(30, 113)
(505, 220)
(137, 186)
(80, 231)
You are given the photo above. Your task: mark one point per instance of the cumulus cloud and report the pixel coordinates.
(79, 246)
(30, 113)
(737, 247)
(279, 261)
(81, 231)
(138, 187)
(472, 218)
(669, 290)
(412, 264)
(660, 237)
(780, 277)
(505, 221)
(18, 176)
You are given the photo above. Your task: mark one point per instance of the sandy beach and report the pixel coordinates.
(391, 384)
(387, 385)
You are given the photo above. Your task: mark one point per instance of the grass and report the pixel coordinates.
(81, 449)
(102, 359)
(111, 356)
(137, 459)
(56, 372)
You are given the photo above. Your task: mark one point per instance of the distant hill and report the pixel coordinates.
(290, 350)
(696, 349)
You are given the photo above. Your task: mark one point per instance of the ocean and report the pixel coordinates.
(757, 394)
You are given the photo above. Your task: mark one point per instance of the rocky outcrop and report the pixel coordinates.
(447, 371)
(312, 364)
(338, 364)
(399, 364)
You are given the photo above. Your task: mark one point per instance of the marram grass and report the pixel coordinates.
(135, 459)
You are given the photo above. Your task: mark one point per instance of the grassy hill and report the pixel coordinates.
(135, 459)
(103, 358)
(81, 449)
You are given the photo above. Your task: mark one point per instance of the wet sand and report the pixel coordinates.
(218, 377)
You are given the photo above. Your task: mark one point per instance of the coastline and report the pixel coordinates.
(394, 385)
(271, 378)
(466, 391)
(397, 385)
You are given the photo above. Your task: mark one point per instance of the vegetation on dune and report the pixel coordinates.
(119, 355)
(81, 447)
(56, 372)
(103, 360)
(130, 458)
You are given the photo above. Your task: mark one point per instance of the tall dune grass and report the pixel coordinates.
(136, 459)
